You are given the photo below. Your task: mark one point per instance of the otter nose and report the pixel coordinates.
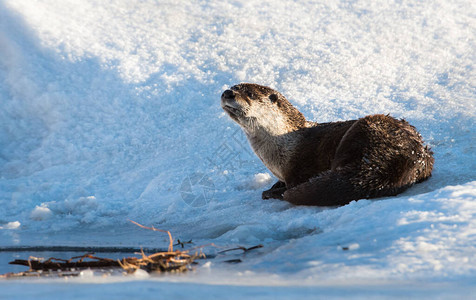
(228, 94)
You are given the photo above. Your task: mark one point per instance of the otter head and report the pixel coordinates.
(261, 109)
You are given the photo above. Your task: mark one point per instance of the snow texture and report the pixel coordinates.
(110, 112)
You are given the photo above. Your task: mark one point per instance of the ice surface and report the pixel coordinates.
(110, 111)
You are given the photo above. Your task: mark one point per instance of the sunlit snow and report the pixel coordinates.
(110, 112)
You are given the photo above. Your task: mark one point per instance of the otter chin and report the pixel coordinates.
(327, 164)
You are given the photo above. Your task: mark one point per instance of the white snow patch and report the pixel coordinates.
(141, 274)
(88, 273)
(261, 180)
(207, 265)
(11, 225)
(41, 213)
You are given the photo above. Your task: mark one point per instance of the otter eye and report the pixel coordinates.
(273, 98)
(251, 95)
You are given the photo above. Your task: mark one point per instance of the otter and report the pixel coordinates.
(327, 164)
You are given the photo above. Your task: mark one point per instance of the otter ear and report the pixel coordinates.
(273, 98)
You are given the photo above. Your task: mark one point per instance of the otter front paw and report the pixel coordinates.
(275, 192)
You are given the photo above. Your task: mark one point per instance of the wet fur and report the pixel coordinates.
(331, 163)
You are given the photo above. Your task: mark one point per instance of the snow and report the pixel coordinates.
(40, 213)
(11, 225)
(261, 180)
(137, 288)
(110, 112)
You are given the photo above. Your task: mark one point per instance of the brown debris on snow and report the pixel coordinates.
(167, 261)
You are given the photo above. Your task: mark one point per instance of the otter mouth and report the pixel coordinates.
(229, 104)
(231, 109)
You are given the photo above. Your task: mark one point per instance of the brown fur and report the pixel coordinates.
(331, 163)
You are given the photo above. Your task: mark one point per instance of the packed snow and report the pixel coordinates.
(110, 112)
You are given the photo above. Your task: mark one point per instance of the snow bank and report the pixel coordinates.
(110, 111)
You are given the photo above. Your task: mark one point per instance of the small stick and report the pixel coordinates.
(242, 248)
(171, 244)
